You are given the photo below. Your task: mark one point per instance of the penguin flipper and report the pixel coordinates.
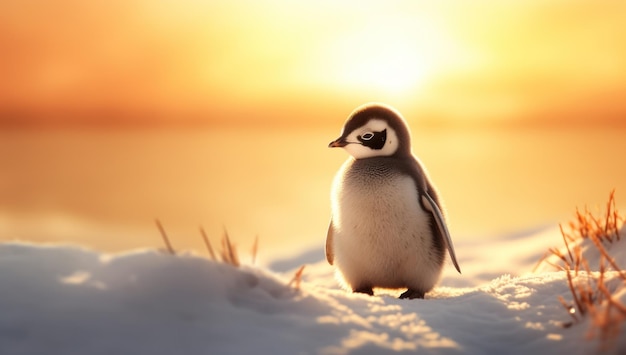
(431, 206)
(330, 256)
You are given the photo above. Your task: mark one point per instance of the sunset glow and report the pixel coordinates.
(392, 59)
(170, 59)
(219, 113)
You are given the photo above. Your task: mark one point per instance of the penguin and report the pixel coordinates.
(387, 227)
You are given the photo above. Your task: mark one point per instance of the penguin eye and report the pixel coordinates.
(367, 136)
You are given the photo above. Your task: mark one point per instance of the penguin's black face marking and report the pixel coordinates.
(374, 140)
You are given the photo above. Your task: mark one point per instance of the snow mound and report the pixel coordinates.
(69, 300)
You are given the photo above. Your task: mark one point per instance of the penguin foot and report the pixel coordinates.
(411, 294)
(366, 290)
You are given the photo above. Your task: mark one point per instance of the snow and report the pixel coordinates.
(64, 299)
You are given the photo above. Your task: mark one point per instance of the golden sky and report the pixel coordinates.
(308, 61)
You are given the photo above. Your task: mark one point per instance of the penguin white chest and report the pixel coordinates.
(382, 235)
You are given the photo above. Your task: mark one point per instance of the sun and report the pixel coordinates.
(394, 69)
(389, 58)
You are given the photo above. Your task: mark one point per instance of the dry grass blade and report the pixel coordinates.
(207, 243)
(604, 254)
(541, 260)
(556, 252)
(166, 240)
(569, 252)
(576, 294)
(612, 220)
(229, 252)
(611, 300)
(255, 249)
(297, 278)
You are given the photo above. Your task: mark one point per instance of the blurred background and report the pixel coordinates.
(218, 113)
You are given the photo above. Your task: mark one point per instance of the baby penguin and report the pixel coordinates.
(387, 228)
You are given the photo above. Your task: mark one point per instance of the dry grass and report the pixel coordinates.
(207, 243)
(166, 239)
(228, 252)
(255, 249)
(297, 278)
(601, 230)
(591, 296)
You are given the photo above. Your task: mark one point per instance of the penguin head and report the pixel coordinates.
(374, 130)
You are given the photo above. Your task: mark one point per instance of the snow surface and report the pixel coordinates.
(70, 300)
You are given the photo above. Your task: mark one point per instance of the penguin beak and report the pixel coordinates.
(338, 143)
